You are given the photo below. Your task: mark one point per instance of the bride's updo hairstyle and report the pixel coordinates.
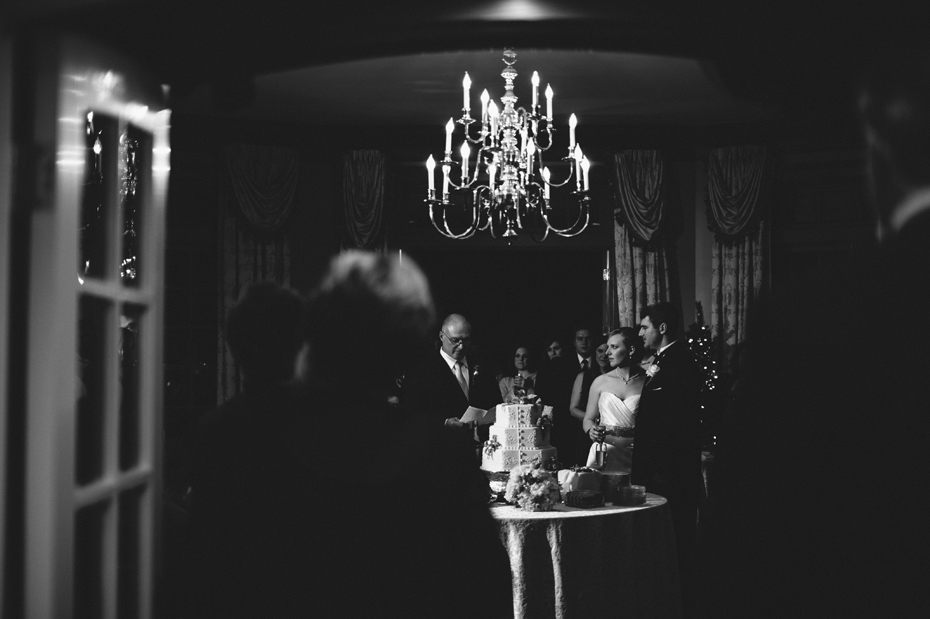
(632, 340)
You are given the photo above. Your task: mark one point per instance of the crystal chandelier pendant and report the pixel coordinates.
(508, 188)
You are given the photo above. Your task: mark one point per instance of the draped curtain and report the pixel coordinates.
(737, 189)
(257, 201)
(363, 198)
(642, 270)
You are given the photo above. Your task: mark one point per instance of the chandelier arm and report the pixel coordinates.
(448, 232)
(491, 230)
(474, 173)
(549, 131)
(472, 228)
(500, 222)
(463, 185)
(482, 133)
(571, 174)
(531, 201)
(532, 205)
(491, 223)
(487, 225)
(435, 225)
(568, 232)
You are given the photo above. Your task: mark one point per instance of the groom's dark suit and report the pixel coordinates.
(667, 439)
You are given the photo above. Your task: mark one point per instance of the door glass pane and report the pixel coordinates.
(135, 146)
(88, 561)
(100, 133)
(92, 358)
(131, 325)
(127, 576)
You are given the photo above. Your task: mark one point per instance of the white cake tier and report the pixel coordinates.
(519, 438)
(517, 415)
(503, 459)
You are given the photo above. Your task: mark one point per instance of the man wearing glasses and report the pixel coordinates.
(447, 382)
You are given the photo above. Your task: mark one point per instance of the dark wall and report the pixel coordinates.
(191, 293)
(516, 296)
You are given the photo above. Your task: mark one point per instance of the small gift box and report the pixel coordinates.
(579, 478)
(584, 498)
(611, 483)
(633, 495)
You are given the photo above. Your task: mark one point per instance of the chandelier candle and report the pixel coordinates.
(430, 170)
(535, 81)
(450, 127)
(466, 85)
(572, 123)
(509, 188)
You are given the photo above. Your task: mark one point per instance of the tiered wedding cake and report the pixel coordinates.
(519, 435)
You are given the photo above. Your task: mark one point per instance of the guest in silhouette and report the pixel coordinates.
(822, 479)
(401, 525)
(554, 386)
(241, 528)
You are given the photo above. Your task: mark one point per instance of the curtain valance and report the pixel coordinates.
(363, 195)
(264, 184)
(736, 190)
(639, 177)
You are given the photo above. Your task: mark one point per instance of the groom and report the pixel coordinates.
(667, 437)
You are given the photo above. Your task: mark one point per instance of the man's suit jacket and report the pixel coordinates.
(431, 391)
(554, 384)
(667, 439)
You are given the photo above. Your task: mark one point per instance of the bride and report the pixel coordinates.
(613, 400)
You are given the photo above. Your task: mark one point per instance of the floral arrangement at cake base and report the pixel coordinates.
(532, 488)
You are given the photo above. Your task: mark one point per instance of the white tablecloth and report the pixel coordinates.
(591, 563)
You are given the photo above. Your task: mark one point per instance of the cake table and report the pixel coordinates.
(597, 562)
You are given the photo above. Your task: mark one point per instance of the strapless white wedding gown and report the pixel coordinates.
(619, 416)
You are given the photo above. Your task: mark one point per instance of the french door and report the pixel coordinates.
(94, 331)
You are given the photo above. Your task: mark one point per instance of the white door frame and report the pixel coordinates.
(74, 76)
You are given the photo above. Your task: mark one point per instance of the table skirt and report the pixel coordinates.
(592, 563)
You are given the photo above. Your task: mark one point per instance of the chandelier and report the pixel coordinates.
(508, 188)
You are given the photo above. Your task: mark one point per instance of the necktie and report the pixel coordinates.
(584, 365)
(461, 376)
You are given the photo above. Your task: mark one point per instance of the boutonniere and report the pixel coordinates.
(475, 370)
(652, 371)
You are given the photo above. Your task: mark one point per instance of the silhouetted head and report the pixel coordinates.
(370, 315)
(264, 332)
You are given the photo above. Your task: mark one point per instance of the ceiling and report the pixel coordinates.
(426, 89)
(668, 62)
